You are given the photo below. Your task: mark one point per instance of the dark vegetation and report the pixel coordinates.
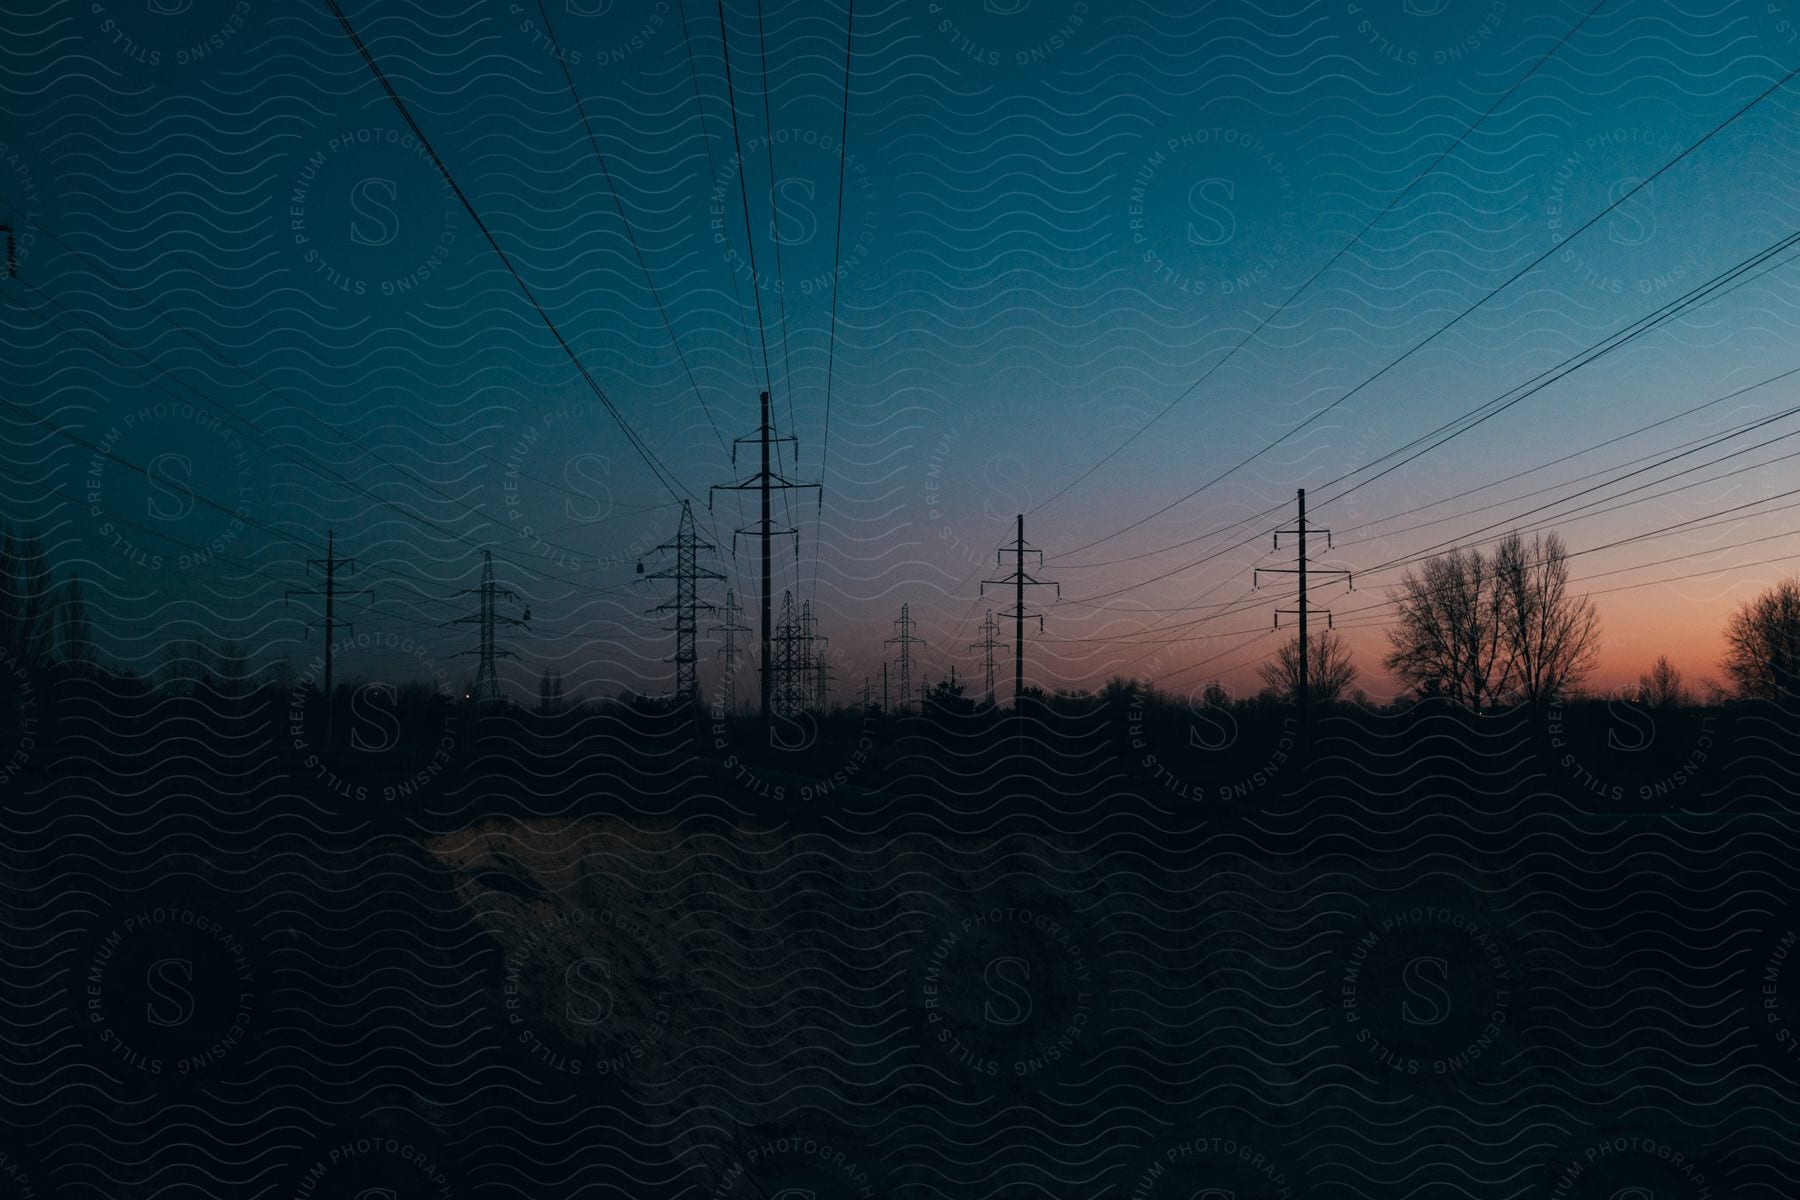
(1494, 645)
(228, 787)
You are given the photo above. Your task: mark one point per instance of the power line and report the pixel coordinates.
(1710, 290)
(743, 169)
(1645, 463)
(837, 261)
(1705, 292)
(631, 436)
(712, 167)
(1583, 513)
(787, 368)
(1329, 263)
(630, 233)
(261, 436)
(1284, 305)
(213, 348)
(1574, 454)
(744, 198)
(1458, 318)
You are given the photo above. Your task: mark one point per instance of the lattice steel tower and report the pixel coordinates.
(906, 641)
(487, 616)
(990, 641)
(687, 573)
(731, 628)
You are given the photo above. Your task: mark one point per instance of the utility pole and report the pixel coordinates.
(906, 641)
(330, 565)
(687, 605)
(1020, 581)
(1300, 568)
(487, 677)
(990, 641)
(731, 628)
(767, 482)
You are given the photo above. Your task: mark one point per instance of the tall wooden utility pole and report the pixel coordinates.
(767, 482)
(1020, 581)
(1303, 692)
(329, 565)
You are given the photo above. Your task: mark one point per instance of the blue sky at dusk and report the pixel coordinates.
(1057, 218)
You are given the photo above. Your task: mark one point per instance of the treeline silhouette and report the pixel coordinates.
(1643, 744)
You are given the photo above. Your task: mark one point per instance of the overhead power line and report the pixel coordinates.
(1329, 263)
(1456, 320)
(662, 474)
(630, 233)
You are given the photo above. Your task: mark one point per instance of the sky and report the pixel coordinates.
(1137, 272)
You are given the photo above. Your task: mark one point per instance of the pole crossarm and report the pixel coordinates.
(766, 482)
(1019, 580)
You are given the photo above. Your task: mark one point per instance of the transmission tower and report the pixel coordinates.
(767, 482)
(814, 662)
(792, 683)
(331, 564)
(687, 605)
(1300, 568)
(1020, 581)
(906, 641)
(731, 628)
(990, 641)
(487, 616)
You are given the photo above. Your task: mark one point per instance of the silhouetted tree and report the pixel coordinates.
(1450, 639)
(1119, 692)
(231, 670)
(1329, 671)
(1480, 629)
(28, 600)
(1661, 686)
(1550, 638)
(946, 695)
(186, 667)
(1762, 644)
(280, 675)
